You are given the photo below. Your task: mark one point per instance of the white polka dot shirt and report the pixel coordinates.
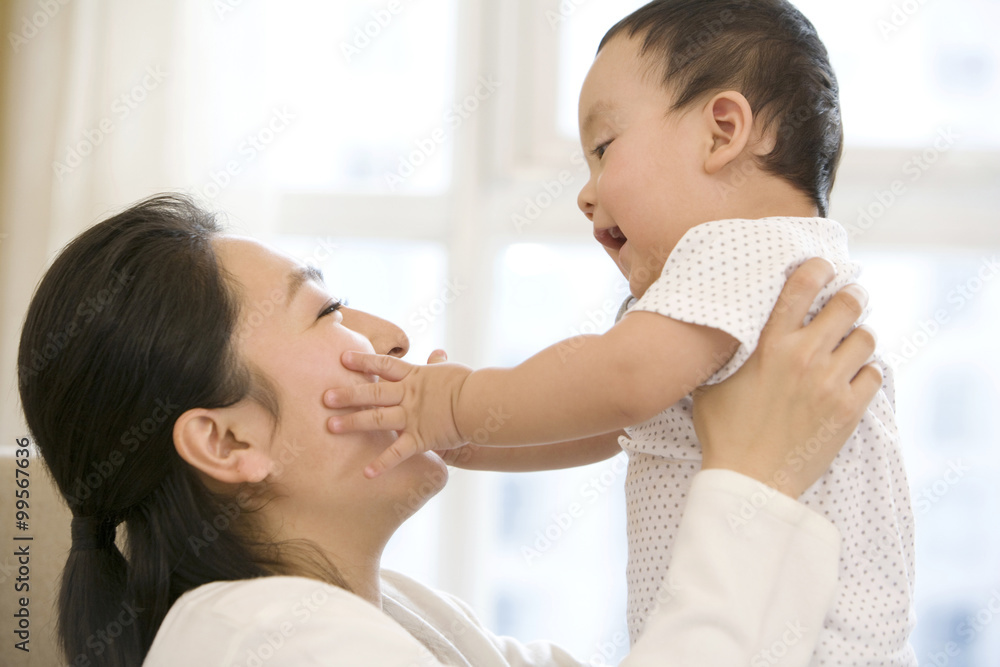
(727, 275)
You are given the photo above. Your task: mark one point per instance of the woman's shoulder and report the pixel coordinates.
(266, 599)
(229, 597)
(296, 617)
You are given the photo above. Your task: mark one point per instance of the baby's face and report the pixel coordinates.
(647, 184)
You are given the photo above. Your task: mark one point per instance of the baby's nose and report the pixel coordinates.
(586, 203)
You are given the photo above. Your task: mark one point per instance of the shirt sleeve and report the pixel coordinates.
(753, 575)
(728, 274)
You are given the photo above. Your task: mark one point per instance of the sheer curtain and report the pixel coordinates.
(104, 102)
(95, 112)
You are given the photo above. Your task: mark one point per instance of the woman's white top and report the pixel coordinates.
(733, 596)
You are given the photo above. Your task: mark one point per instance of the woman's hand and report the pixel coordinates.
(784, 415)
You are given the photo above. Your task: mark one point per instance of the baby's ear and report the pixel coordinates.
(730, 123)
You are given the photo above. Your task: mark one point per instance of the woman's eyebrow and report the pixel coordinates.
(299, 276)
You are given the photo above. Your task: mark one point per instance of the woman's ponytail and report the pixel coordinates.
(95, 616)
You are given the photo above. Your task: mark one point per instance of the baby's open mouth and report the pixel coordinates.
(610, 237)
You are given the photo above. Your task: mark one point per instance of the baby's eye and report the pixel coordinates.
(598, 152)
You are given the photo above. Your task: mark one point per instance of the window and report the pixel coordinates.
(367, 84)
(477, 246)
(937, 334)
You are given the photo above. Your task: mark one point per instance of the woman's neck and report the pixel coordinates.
(364, 579)
(354, 551)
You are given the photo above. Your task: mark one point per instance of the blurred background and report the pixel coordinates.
(424, 155)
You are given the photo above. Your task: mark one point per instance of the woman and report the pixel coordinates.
(173, 380)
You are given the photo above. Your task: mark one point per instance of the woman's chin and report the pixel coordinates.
(437, 462)
(431, 466)
(425, 474)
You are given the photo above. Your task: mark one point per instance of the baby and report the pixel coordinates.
(713, 134)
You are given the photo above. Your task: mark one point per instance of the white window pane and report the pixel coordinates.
(903, 76)
(548, 292)
(906, 74)
(937, 315)
(368, 90)
(560, 536)
(559, 567)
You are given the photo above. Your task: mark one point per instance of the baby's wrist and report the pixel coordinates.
(474, 420)
(460, 410)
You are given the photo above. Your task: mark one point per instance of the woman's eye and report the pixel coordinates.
(332, 307)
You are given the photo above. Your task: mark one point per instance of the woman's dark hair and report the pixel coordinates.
(766, 50)
(131, 326)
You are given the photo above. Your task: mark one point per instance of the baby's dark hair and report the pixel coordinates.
(766, 50)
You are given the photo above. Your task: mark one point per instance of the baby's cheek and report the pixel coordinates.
(627, 203)
(612, 187)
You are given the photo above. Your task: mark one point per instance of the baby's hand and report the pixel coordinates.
(416, 401)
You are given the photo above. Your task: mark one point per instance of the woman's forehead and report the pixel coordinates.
(254, 264)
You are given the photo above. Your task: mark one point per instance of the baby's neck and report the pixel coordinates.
(766, 196)
(779, 209)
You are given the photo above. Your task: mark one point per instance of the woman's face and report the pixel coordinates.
(290, 333)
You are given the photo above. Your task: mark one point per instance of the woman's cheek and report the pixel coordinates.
(323, 360)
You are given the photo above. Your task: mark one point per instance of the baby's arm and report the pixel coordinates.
(532, 458)
(594, 384)
(580, 387)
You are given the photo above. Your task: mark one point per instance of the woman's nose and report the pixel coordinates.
(384, 336)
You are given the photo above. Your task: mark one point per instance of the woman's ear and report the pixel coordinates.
(730, 122)
(231, 445)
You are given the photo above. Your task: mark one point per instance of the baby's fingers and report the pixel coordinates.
(376, 419)
(386, 367)
(380, 394)
(437, 357)
(404, 447)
